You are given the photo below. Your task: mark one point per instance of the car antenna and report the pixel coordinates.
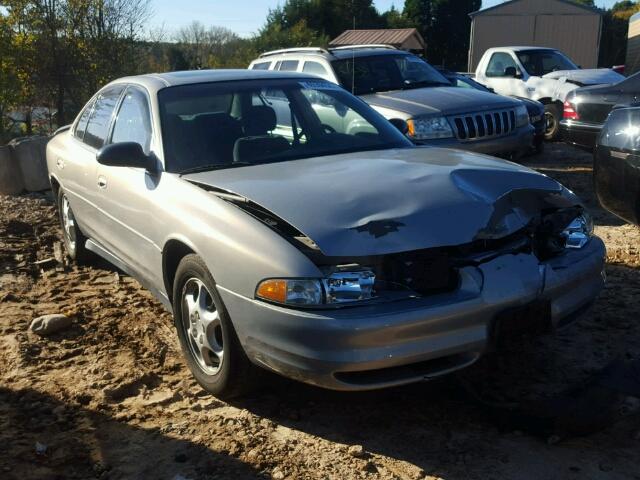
(353, 53)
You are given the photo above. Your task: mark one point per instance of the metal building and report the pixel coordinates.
(572, 28)
(632, 63)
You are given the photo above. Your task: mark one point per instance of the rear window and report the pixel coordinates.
(100, 121)
(84, 119)
(289, 65)
(261, 66)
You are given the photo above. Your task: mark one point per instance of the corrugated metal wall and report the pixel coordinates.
(632, 63)
(544, 23)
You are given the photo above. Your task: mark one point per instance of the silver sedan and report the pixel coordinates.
(288, 226)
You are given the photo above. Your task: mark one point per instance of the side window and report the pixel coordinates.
(314, 68)
(498, 63)
(261, 66)
(289, 65)
(98, 126)
(81, 126)
(133, 123)
(462, 83)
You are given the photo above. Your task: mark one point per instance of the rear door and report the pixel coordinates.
(80, 166)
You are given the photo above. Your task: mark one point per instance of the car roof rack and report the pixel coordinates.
(294, 50)
(364, 45)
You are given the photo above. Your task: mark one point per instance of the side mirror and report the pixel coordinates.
(400, 125)
(511, 72)
(126, 154)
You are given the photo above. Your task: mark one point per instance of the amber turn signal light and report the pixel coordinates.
(274, 290)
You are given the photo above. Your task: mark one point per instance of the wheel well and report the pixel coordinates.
(173, 252)
(548, 101)
(55, 186)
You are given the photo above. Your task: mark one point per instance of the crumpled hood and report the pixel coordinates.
(594, 76)
(436, 100)
(379, 202)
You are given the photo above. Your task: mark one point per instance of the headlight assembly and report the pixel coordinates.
(578, 232)
(337, 287)
(429, 128)
(522, 116)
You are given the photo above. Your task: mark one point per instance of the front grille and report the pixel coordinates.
(481, 125)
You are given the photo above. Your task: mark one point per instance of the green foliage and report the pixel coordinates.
(445, 26)
(56, 53)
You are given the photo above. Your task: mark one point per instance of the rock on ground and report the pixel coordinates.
(49, 324)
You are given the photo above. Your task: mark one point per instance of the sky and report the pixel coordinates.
(245, 17)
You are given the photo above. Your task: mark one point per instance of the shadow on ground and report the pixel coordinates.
(75, 443)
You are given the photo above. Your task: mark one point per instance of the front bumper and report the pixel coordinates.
(580, 134)
(382, 345)
(518, 141)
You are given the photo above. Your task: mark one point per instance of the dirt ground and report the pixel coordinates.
(110, 398)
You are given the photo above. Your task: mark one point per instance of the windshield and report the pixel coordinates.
(381, 73)
(466, 82)
(540, 62)
(223, 125)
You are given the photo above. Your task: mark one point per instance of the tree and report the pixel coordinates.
(613, 41)
(445, 25)
(326, 17)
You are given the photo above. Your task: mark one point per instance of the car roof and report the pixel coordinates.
(332, 54)
(518, 48)
(157, 81)
(365, 52)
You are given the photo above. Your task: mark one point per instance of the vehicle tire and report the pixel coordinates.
(553, 115)
(74, 240)
(207, 337)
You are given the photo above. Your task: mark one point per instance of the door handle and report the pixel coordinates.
(102, 182)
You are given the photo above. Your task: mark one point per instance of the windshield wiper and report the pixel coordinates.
(425, 83)
(213, 166)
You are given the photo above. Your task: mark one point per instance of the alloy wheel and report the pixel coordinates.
(202, 325)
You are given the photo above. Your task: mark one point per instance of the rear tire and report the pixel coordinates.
(74, 239)
(553, 115)
(209, 342)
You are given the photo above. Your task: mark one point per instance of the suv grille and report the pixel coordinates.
(476, 126)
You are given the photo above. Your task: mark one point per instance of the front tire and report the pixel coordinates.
(552, 115)
(74, 240)
(208, 340)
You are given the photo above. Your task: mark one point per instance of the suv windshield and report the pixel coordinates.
(381, 73)
(541, 62)
(209, 126)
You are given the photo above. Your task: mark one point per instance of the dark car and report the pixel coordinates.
(617, 163)
(535, 109)
(586, 109)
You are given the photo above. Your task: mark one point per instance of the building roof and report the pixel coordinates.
(568, 2)
(398, 37)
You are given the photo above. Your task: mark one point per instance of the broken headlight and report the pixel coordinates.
(578, 232)
(340, 285)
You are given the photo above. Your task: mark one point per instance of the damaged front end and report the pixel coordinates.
(552, 224)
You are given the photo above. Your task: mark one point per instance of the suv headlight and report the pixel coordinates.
(429, 128)
(522, 116)
(578, 232)
(339, 286)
